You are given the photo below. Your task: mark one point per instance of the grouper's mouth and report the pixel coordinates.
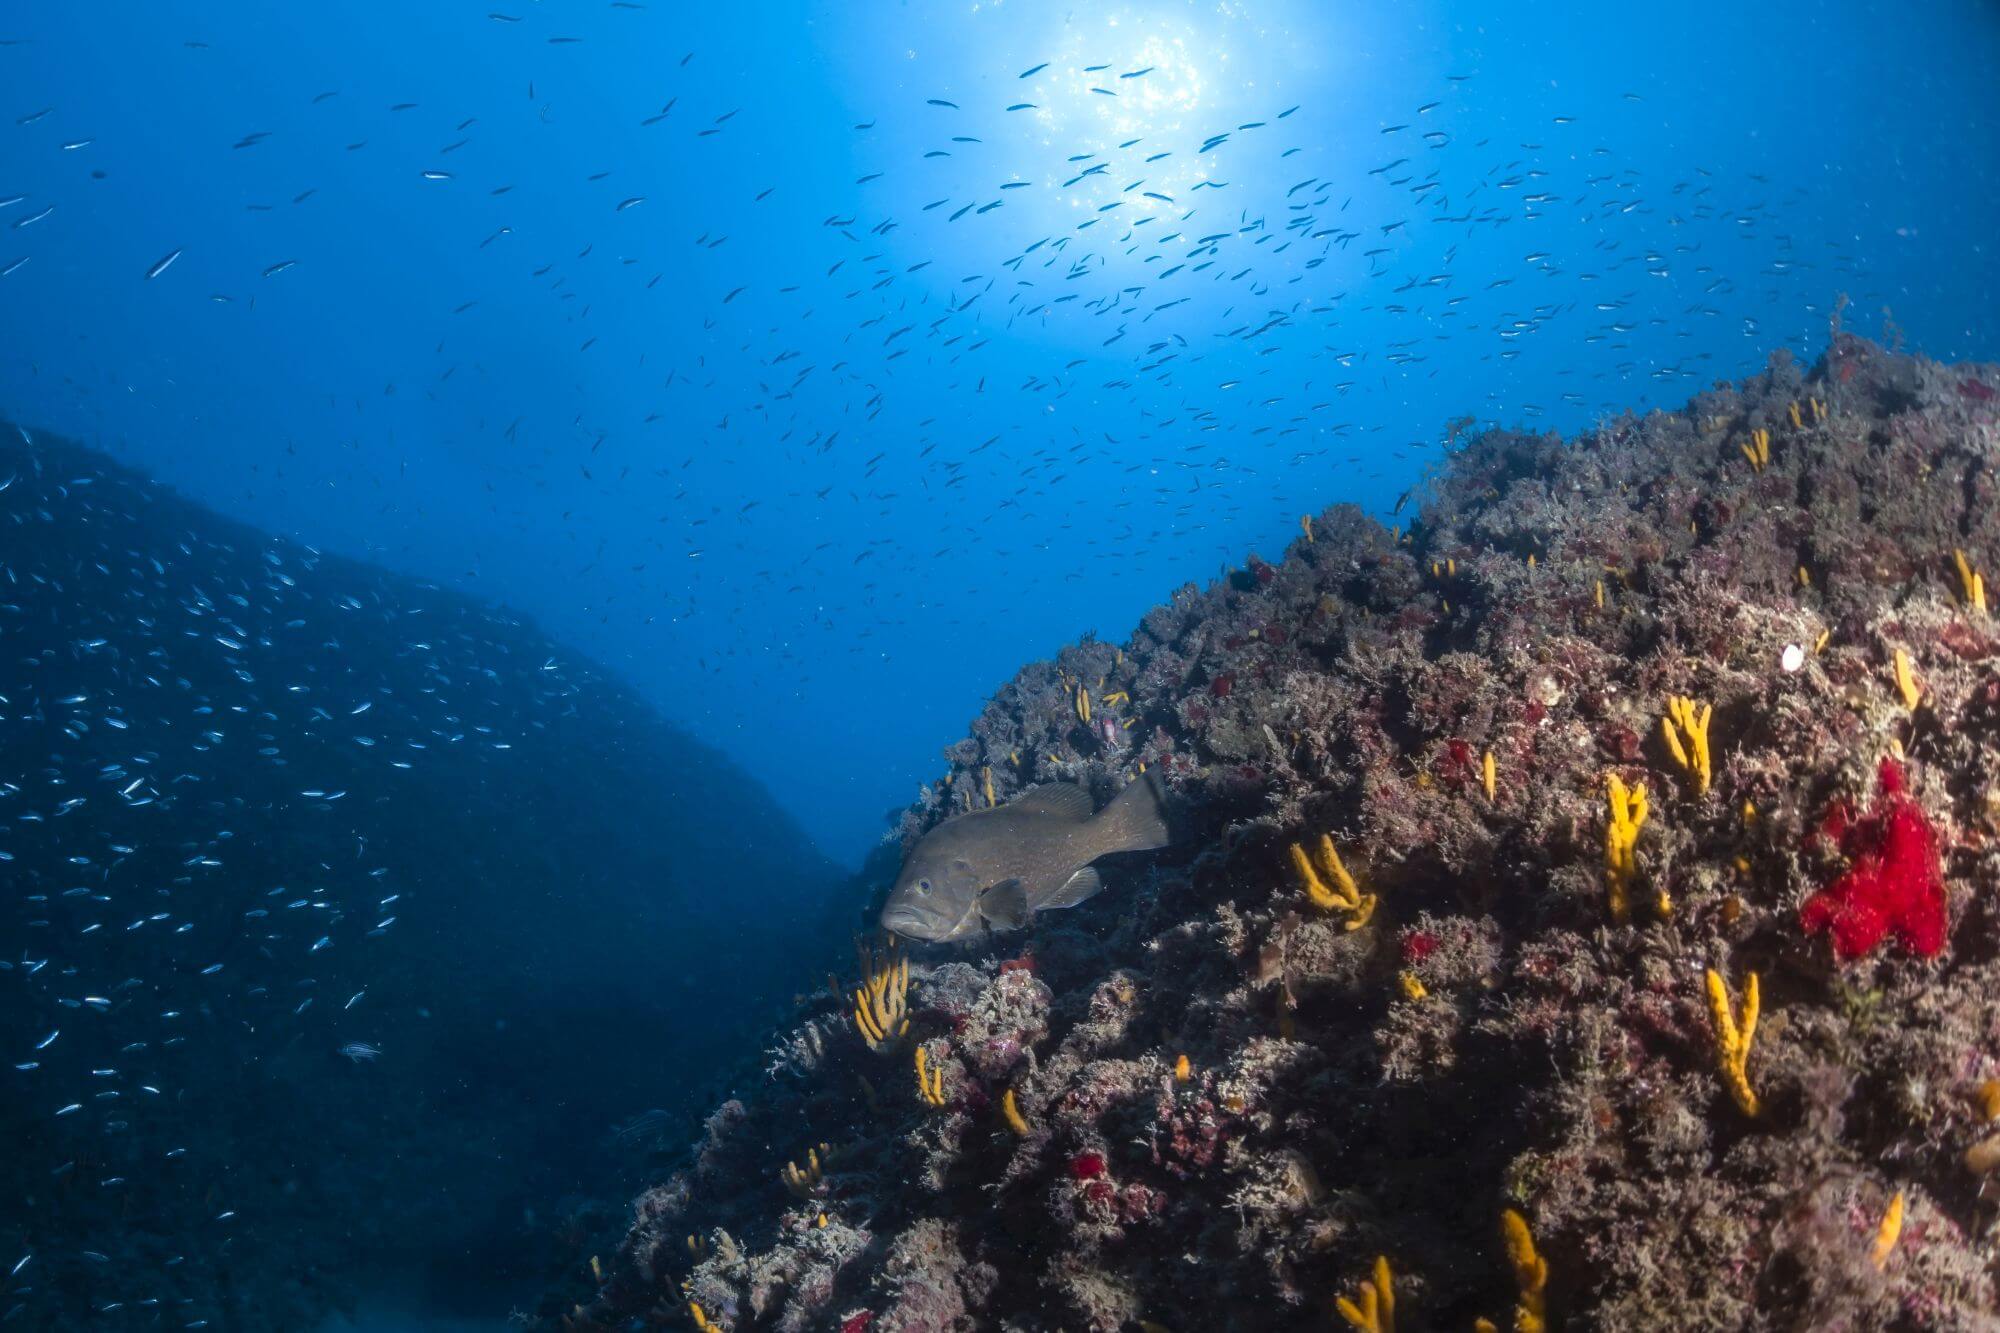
(907, 921)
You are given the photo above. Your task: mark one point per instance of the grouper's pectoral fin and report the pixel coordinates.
(1005, 905)
(1083, 884)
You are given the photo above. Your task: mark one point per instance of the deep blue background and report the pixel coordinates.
(560, 414)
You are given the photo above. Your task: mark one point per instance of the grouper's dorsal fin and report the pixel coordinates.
(1056, 798)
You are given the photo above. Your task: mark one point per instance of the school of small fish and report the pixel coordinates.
(1179, 284)
(1045, 302)
(190, 882)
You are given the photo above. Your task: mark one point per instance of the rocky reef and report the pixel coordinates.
(1583, 921)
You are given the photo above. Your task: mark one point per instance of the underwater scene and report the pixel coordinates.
(1131, 667)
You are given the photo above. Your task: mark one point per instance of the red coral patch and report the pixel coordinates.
(1086, 1165)
(1418, 945)
(1894, 882)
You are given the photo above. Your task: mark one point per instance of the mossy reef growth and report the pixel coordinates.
(1637, 967)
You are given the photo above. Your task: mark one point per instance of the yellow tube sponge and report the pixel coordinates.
(1628, 810)
(1733, 1035)
(1906, 681)
(1971, 582)
(881, 1002)
(1886, 1234)
(930, 1081)
(1375, 1311)
(1531, 1273)
(1685, 720)
(1343, 895)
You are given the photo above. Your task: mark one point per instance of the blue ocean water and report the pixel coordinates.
(802, 369)
(555, 400)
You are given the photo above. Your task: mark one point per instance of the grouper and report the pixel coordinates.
(994, 869)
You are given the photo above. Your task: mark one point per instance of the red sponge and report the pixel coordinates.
(1894, 883)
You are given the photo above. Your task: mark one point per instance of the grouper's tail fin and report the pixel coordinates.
(1136, 819)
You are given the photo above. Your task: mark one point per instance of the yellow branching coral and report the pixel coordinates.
(1531, 1273)
(1183, 1069)
(1971, 582)
(1375, 1312)
(1082, 702)
(1692, 754)
(1906, 681)
(1010, 1111)
(1886, 1234)
(1306, 524)
(1818, 410)
(930, 1081)
(882, 1001)
(1412, 988)
(1489, 776)
(702, 1321)
(1621, 838)
(1798, 423)
(805, 1183)
(986, 776)
(1344, 895)
(1733, 1035)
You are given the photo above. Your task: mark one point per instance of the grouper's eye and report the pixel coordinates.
(923, 886)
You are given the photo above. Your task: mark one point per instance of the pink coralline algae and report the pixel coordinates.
(1894, 883)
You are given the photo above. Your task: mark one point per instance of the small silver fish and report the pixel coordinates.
(358, 1051)
(994, 869)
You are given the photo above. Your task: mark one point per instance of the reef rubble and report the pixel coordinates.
(1585, 921)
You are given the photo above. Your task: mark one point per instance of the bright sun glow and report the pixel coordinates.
(1126, 100)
